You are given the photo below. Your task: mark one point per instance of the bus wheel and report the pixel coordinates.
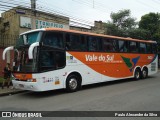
(137, 74)
(144, 73)
(72, 83)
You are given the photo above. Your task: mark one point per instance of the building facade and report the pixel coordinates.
(99, 28)
(17, 20)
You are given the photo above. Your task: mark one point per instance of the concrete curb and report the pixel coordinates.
(12, 92)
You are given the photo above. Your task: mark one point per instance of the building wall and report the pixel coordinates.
(80, 29)
(99, 28)
(18, 20)
(9, 28)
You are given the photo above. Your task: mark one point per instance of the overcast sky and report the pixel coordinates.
(99, 10)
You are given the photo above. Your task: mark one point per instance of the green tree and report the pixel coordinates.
(151, 23)
(121, 23)
(139, 33)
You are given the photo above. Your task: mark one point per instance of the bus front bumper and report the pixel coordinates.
(22, 85)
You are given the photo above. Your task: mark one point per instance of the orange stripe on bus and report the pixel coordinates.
(22, 76)
(113, 64)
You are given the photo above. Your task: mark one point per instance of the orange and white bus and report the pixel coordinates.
(47, 59)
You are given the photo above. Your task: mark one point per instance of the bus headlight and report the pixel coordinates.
(31, 80)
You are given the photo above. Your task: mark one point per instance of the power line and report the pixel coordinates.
(64, 14)
(13, 2)
(101, 7)
(147, 5)
(60, 12)
(80, 21)
(61, 21)
(96, 7)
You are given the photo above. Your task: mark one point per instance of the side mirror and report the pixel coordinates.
(5, 51)
(31, 48)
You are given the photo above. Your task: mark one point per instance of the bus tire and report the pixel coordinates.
(73, 83)
(144, 73)
(137, 74)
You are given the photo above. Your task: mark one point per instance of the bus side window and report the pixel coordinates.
(143, 48)
(109, 45)
(149, 48)
(68, 42)
(133, 47)
(83, 45)
(123, 46)
(53, 39)
(75, 42)
(154, 48)
(94, 43)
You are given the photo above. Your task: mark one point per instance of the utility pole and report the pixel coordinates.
(33, 14)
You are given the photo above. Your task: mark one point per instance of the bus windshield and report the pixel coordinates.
(28, 39)
(22, 63)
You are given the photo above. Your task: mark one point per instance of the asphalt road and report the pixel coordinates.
(123, 95)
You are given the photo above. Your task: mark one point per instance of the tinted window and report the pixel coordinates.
(51, 60)
(60, 59)
(133, 46)
(76, 42)
(154, 48)
(94, 43)
(53, 39)
(149, 48)
(143, 48)
(32, 37)
(83, 45)
(109, 45)
(123, 46)
(47, 60)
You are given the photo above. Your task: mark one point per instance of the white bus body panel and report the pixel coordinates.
(47, 80)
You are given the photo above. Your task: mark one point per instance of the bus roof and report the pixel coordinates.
(35, 30)
(88, 33)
